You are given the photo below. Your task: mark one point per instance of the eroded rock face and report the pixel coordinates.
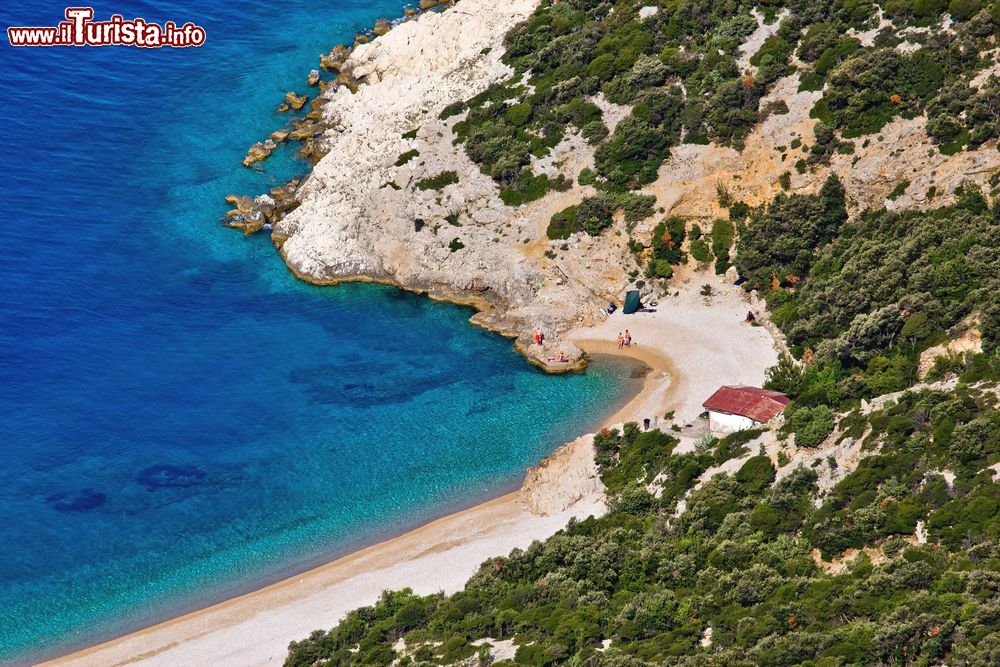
(252, 214)
(689, 181)
(567, 477)
(964, 338)
(259, 151)
(294, 100)
(362, 216)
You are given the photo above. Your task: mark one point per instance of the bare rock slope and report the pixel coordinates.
(365, 215)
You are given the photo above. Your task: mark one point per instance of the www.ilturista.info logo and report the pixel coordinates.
(79, 29)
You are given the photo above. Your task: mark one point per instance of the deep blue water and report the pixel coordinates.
(181, 420)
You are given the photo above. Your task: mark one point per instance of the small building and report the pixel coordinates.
(735, 408)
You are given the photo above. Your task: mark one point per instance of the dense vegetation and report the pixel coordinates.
(679, 74)
(862, 299)
(736, 560)
(595, 214)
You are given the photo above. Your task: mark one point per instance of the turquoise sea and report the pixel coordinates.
(181, 420)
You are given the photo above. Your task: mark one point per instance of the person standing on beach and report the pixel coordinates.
(621, 340)
(628, 338)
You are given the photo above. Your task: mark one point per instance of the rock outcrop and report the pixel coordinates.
(295, 101)
(252, 214)
(259, 151)
(363, 217)
(567, 477)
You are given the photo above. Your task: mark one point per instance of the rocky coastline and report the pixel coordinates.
(360, 216)
(251, 213)
(392, 199)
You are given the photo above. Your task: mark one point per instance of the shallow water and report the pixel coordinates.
(183, 420)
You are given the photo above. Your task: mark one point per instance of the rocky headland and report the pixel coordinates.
(393, 199)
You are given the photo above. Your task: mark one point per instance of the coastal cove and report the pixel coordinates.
(437, 556)
(185, 420)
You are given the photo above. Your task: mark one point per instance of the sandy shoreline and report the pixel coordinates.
(438, 556)
(254, 629)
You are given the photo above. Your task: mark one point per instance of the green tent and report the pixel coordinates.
(631, 302)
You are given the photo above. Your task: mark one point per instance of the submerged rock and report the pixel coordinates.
(166, 476)
(382, 26)
(295, 101)
(252, 214)
(259, 152)
(80, 501)
(428, 4)
(280, 135)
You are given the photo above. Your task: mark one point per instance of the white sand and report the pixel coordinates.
(255, 629)
(698, 343)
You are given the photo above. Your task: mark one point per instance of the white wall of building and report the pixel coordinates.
(721, 422)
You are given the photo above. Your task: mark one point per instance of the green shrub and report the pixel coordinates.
(810, 425)
(586, 177)
(594, 132)
(455, 245)
(563, 224)
(811, 82)
(774, 50)
(406, 157)
(668, 236)
(739, 211)
(452, 109)
(817, 39)
(519, 115)
(722, 235)
(438, 182)
(756, 474)
(898, 190)
(659, 268)
(700, 251)
(528, 187)
(595, 214)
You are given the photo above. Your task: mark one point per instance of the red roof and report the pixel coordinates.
(758, 404)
